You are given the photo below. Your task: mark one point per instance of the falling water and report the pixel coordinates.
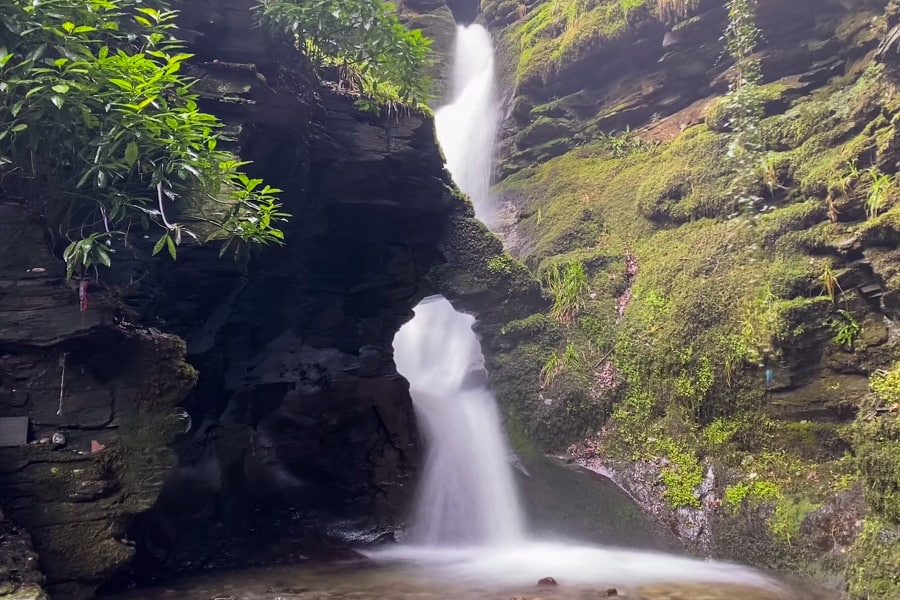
(467, 126)
(467, 495)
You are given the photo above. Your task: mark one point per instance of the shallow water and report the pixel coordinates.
(404, 574)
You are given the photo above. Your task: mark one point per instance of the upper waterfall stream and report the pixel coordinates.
(467, 126)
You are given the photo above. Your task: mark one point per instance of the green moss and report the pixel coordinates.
(502, 263)
(883, 230)
(752, 492)
(534, 328)
(788, 517)
(874, 572)
(558, 32)
(717, 299)
(878, 453)
(683, 476)
(771, 96)
(886, 385)
(545, 130)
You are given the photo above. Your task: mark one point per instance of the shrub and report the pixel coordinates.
(100, 134)
(365, 40)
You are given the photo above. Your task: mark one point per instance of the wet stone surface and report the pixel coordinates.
(379, 583)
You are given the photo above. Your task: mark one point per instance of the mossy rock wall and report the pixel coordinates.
(727, 356)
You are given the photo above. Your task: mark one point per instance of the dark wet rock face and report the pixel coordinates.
(19, 572)
(303, 432)
(95, 380)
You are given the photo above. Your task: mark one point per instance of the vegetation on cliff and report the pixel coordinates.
(707, 336)
(101, 135)
(364, 39)
(558, 32)
(102, 138)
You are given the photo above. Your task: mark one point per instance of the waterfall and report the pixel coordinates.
(467, 494)
(467, 127)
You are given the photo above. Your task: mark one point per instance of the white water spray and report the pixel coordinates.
(468, 524)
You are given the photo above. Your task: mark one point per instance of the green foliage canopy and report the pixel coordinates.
(100, 134)
(365, 40)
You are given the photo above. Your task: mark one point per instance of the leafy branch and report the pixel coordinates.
(364, 40)
(100, 134)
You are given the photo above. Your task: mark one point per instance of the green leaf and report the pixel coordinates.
(160, 243)
(150, 12)
(35, 90)
(122, 83)
(131, 153)
(60, 88)
(68, 27)
(102, 256)
(19, 127)
(171, 245)
(57, 101)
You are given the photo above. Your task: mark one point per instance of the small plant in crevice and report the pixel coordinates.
(833, 212)
(622, 143)
(846, 330)
(830, 285)
(559, 361)
(839, 187)
(569, 288)
(758, 325)
(881, 186)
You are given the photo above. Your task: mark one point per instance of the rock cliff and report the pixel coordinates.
(728, 368)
